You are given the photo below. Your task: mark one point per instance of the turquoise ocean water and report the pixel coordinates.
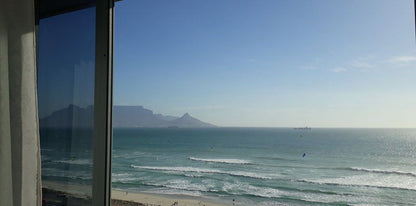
(260, 166)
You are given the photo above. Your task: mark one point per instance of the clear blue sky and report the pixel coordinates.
(318, 63)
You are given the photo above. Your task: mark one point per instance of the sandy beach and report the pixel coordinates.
(79, 193)
(150, 199)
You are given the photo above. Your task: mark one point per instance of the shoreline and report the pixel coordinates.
(55, 191)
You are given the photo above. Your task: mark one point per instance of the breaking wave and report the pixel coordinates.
(367, 181)
(75, 162)
(226, 161)
(381, 171)
(203, 170)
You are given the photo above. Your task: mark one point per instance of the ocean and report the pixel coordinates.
(258, 166)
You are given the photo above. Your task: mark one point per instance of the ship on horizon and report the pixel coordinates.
(302, 128)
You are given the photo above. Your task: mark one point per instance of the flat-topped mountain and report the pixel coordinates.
(138, 116)
(135, 116)
(123, 116)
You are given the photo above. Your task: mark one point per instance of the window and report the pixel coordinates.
(302, 95)
(66, 104)
(75, 101)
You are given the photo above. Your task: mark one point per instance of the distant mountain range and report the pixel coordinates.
(123, 116)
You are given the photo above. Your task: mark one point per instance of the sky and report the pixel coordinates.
(66, 61)
(269, 63)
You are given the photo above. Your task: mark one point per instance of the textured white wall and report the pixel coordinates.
(19, 134)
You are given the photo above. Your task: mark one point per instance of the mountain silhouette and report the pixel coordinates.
(188, 121)
(123, 116)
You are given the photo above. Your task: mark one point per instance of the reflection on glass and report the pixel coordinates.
(66, 99)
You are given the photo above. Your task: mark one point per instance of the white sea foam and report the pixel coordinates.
(234, 188)
(186, 185)
(123, 178)
(179, 169)
(268, 192)
(120, 174)
(247, 189)
(369, 180)
(75, 161)
(53, 172)
(192, 175)
(226, 161)
(382, 171)
(204, 170)
(243, 188)
(180, 184)
(170, 191)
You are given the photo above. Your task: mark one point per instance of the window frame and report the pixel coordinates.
(103, 103)
(103, 88)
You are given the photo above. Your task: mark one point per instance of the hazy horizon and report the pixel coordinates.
(322, 63)
(293, 126)
(221, 126)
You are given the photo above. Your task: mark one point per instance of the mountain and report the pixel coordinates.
(166, 117)
(136, 116)
(188, 121)
(123, 116)
(71, 116)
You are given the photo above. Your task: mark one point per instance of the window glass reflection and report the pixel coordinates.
(66, 106)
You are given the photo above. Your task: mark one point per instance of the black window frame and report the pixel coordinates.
(103, 86)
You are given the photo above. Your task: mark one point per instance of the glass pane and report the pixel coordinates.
(66, 106)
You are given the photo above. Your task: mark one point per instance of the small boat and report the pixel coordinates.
(303, 128)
